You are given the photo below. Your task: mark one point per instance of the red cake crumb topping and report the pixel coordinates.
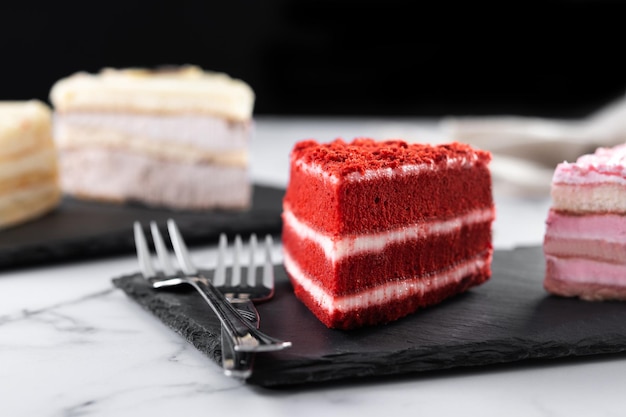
(341, 158)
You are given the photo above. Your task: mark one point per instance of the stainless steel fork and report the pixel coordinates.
(244, 336)
(242, 290)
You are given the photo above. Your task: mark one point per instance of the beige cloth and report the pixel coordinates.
(526, 150)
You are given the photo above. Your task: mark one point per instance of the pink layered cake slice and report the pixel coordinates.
(375, 230)
(585, 240)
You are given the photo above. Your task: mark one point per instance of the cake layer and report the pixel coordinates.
(115, 175)
(25, 127)
(589, 198)
(28, 202)
(585, 278)
(388, 196)
(40, 162)
(170, 91)
(390, 301)
(354, 268)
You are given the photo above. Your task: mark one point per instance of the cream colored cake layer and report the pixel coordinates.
(41, 163)
(28, 203)
(24, 127)
(587, 198)
(183, 90)
(111, 175)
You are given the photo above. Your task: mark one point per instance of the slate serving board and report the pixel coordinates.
(81, 229)
(510, 318)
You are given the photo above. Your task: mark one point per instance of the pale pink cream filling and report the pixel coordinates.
(202, 132)
(598, 250)
(383, 294)
(587, 271)
(119, 176)
(586, 248)
(607, 227)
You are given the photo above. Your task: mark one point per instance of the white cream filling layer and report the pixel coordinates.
(393, 290)
(336, 249)
(200, 132)
(78, 137)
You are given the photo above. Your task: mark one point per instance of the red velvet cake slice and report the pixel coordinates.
(585, 240)
(373, 231)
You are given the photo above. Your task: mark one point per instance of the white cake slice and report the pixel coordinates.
(28, 162)
(175, 138)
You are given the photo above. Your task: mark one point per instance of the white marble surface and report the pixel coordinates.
(71, 345)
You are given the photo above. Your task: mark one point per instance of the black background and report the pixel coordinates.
(342, 57)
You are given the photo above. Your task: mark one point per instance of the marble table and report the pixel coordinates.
(72, 345)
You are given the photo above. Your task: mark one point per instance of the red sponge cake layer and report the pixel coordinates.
(372, 231)
(367, 186)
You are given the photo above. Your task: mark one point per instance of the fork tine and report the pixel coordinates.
(162, 252)
(180, 249)
(220, 269)
(268, 266)
(236, 268)
(251, 276)
(143, 253)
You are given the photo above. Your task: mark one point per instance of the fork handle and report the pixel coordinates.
(245, 337)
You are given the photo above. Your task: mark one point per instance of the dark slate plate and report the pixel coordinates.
(510, 318)
(80, 229)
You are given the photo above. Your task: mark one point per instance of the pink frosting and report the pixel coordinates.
(608, 227)
(586, 271)
(606, 165)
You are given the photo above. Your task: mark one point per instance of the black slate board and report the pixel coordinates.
(82, 229)
(509, 318)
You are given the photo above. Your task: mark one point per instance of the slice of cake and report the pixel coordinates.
(585, 240)
(176, 138)
(373, 231)
(28, 162)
